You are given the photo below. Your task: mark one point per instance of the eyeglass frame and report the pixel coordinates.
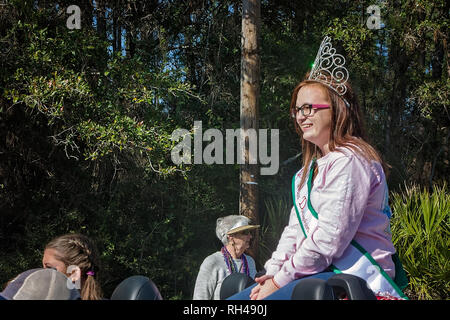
(311, 106)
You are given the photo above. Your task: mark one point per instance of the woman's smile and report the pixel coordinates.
(306, 126)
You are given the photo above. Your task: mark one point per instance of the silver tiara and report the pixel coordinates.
(328, 68)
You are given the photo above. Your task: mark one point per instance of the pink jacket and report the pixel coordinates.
(350, 196)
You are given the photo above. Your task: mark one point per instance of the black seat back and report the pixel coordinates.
(136, 288)
(312, 289)
(234, 283)
(350, 286)
(336, 287)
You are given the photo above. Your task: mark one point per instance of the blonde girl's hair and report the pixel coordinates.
(79, 250)
(347, 127)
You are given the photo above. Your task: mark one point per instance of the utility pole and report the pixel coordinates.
(249, 106)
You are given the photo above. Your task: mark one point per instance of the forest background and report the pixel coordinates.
(86, 117)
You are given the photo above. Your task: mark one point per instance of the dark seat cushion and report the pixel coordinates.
(136, 288)
(234, 283)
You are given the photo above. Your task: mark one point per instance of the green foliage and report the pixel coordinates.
(421, 233)
(95, 131)
(108, 112)
(86, 117)
(274, 219)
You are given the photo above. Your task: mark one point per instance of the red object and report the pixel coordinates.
(384, 296)
(387, 297)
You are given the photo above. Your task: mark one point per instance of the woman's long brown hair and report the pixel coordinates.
(347, 127)
(79, 250)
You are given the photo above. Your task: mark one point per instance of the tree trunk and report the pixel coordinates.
(114, 31)
(250, 74)
(101, 19)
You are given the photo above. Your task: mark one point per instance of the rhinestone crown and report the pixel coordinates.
(328, 68)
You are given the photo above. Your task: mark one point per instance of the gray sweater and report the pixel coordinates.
(212, 272)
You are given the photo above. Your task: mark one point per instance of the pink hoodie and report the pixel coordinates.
(350, 196)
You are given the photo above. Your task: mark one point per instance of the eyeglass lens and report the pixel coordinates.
(304, 109)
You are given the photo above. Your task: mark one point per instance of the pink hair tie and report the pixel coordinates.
(90, 273)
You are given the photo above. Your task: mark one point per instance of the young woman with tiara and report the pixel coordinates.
(339, 222)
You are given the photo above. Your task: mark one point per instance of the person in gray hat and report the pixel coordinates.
(40, 284)
(234, 231)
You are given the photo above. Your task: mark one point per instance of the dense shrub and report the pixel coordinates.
(420, 229)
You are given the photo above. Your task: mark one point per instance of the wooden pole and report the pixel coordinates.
(249, 106)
